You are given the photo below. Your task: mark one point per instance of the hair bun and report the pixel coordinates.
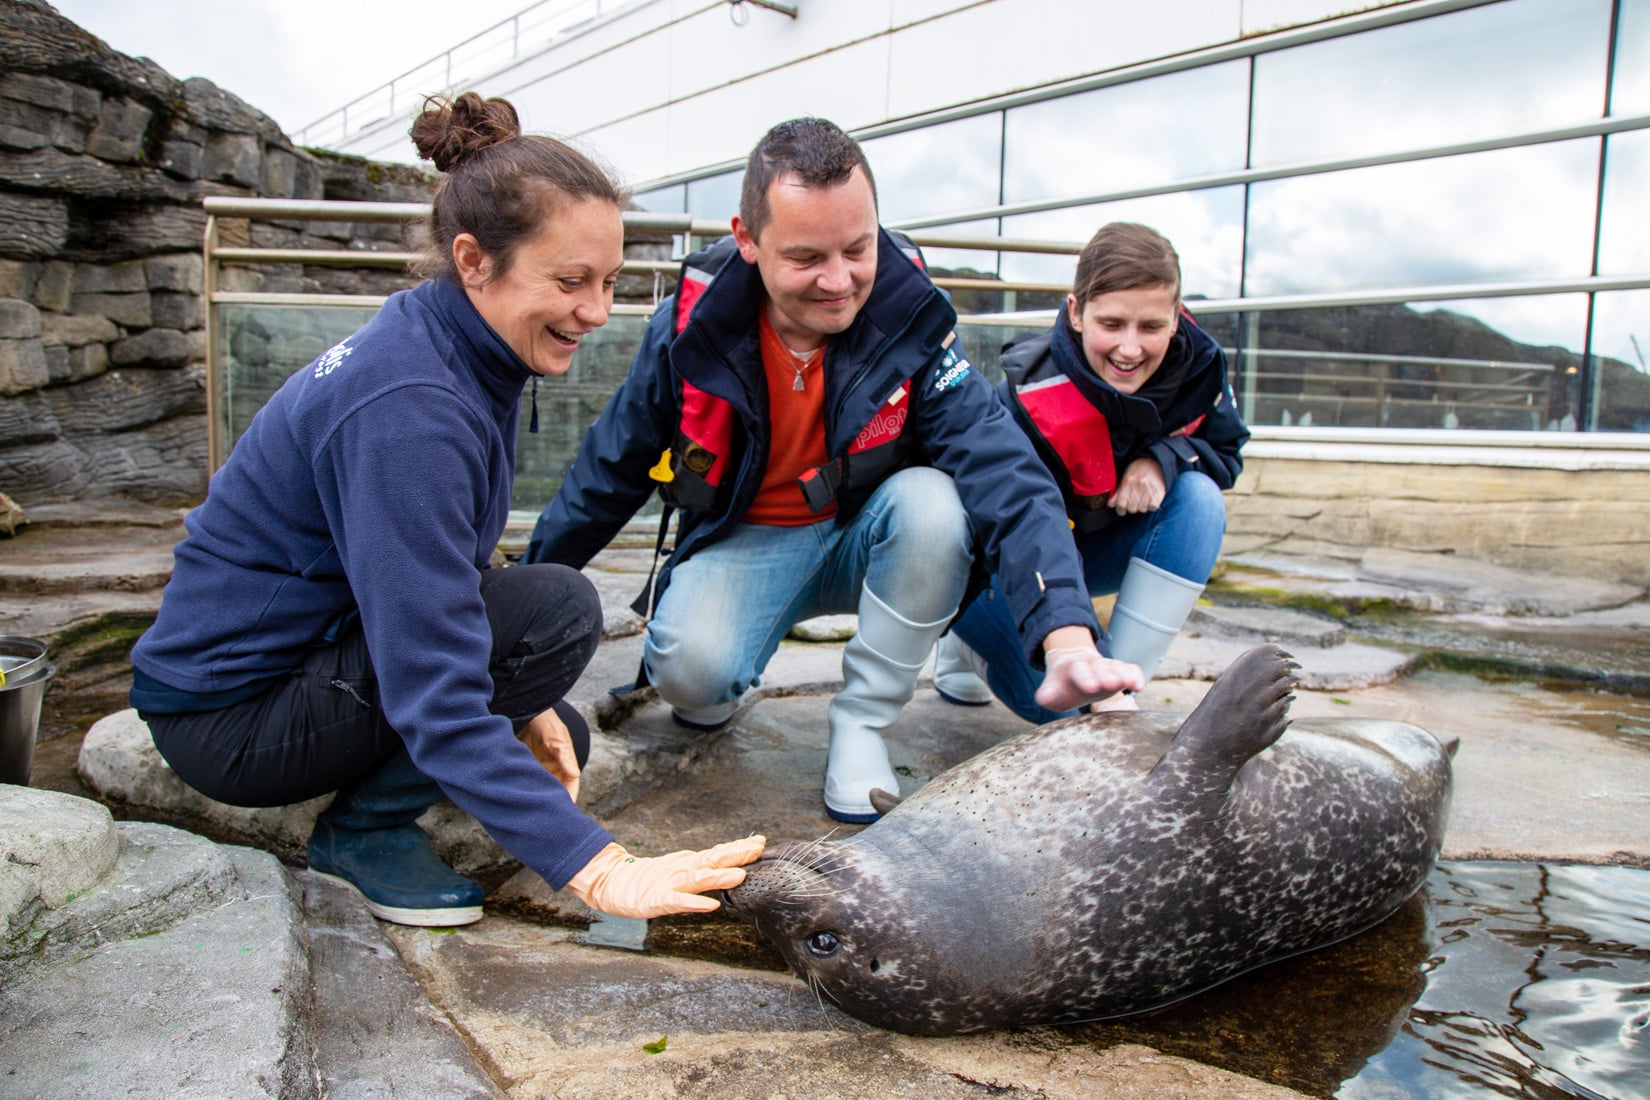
(450, 133)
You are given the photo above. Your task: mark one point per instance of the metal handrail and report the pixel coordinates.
(693, 229)
(445, 60)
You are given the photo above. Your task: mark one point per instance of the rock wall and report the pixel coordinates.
(104, 161)
(1592, 523)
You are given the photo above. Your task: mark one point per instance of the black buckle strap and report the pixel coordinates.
(819, 485)
(643, 603)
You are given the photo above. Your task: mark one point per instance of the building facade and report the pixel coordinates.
(1420, 215)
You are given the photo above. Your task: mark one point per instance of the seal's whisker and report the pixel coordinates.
(819, 993)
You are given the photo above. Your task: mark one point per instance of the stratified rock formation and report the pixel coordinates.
(104, 161)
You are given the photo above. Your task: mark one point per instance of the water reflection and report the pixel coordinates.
(1539, 985)
(1512, 979)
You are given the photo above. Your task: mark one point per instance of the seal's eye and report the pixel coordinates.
(822, 945)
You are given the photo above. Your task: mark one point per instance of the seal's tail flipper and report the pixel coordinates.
(1246, 710)
(883, 802)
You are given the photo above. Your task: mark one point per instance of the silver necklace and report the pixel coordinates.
(800, 363)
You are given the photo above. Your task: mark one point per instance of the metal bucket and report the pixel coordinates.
(20, 658)
(27, 672)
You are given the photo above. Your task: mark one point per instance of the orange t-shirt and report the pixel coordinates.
(796, 420)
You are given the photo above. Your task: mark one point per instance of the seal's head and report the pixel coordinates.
(846, 926)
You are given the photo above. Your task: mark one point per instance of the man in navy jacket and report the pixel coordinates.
(805, 403)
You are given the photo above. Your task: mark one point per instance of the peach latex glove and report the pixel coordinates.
(1078, 674)
(624, 885)
(552, 746)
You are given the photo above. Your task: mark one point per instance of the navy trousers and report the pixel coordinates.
(321, 729)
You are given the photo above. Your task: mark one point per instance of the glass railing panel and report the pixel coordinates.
(984, 343)
(261, 345)
(967, 263)
(1621, 350)
(1503, 364)
(567, 406)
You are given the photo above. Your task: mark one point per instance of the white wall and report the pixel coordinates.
(664, 87)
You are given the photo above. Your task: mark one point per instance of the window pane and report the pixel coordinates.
(664, 200)
(1171, 127)
(1624, 234)
(944, 169)
(715, 198)
(1206, 228)
(1630, 94)
(1510, 214)
(1499, 69)
(1494, 363)
(1621, 346)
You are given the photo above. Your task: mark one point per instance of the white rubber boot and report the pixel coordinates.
(1151, 607)
(879, 666)
(959, 673)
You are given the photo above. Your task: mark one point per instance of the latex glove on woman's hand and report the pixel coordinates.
(623, 885)
(552, 746)
(1077, 674)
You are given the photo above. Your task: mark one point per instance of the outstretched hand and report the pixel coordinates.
(1078, 674)
(624, 885)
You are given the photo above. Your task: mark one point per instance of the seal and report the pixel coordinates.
(1112, 863)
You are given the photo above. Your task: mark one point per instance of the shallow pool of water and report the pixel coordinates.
(1510, 979)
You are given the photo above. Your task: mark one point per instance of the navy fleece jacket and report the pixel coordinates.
(378, 479)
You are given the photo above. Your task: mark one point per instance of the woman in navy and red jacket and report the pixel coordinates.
(1128, 403)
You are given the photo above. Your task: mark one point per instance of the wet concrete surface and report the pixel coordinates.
(1553, 767)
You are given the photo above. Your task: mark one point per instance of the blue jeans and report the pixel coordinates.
(727, 607)
(1181, 537)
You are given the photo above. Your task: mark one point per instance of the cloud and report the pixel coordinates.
(295, 60)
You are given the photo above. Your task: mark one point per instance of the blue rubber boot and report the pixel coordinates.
(367, 839)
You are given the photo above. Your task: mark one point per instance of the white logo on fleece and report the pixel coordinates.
(331, 359)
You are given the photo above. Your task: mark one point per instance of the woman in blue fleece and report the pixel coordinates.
(1128, 403)
(332, 623)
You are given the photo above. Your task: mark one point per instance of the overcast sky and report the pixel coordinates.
(294, 60)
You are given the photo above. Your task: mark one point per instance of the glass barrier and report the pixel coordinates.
(260, 346)
(1485, 364)
(1427, 365)
(1493, 363)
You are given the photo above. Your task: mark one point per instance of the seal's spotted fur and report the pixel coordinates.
(1112, 863)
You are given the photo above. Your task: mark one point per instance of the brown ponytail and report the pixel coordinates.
(500, 185)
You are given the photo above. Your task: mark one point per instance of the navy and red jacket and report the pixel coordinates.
(899, 393)
(1185, 416)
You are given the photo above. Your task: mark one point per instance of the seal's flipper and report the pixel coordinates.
(1246, 710)
(882, 801)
